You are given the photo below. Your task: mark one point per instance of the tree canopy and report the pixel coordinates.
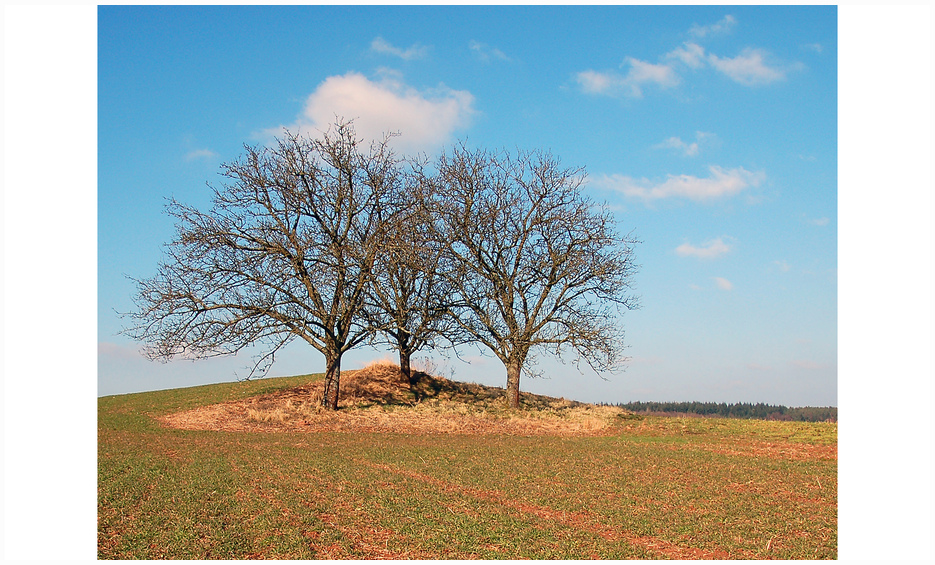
(538, 265)
(287, 251)
(410, 298)
(336, 243)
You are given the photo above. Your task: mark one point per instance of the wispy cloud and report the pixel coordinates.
(721, 183)
(710, 250)
(752, 67)
(416, 51)
(783, 266)
(723, 283)
(691, 54)
(749, 68)
(486, 53)
(594, 82)
(688, 149)
(819, 221)
(640, 74)
(426, 119)
(200, 154)
(725, 25)
(816, 47)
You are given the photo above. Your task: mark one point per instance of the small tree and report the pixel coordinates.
(286, 252)
(410, 299)
(539, 266)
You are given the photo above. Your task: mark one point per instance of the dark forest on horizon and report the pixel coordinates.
(758, 411)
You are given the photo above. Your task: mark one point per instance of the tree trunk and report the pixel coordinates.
(405, 366)
(329, 399)
(405, 356)
(513, 368)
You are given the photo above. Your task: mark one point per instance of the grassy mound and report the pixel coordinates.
(378, 398)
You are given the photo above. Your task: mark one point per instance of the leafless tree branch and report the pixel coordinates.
(287, 251)
(539, 266)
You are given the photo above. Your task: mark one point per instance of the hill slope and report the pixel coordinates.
(378, 398)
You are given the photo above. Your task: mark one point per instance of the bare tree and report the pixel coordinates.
(539, 266)
(410, 300)
(287, 251)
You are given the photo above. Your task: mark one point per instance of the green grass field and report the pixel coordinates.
(655, 488)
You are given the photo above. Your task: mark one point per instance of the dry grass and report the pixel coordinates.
(378, 398)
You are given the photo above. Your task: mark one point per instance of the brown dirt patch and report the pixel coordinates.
(378, 399)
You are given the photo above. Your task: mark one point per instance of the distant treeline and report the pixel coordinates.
(757, 411)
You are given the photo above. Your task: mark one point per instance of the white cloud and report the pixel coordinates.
(723, 26)
(641, 73)
(688, 149)
(816, 47)
(820, 221)
(748, 68)
(710, 250)
(691, 54)
(200, 154)
(425, 119)
(723, 283)
(783, 266)
(485, 52)
(721, 183)
(416, 51)
(593, 82)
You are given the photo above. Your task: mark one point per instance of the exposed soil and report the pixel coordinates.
(379, 399)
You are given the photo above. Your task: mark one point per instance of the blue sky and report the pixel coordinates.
(711, 132)
(65, 247)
